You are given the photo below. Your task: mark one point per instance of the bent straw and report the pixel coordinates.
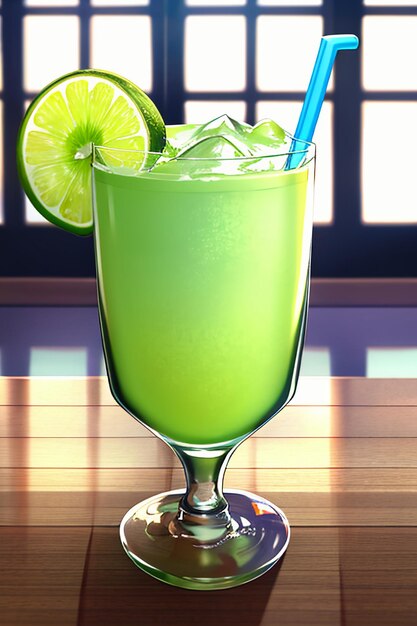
(329, 47)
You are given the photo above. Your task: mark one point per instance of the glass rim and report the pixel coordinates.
(310, 146)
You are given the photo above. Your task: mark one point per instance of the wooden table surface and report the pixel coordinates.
(341, 460)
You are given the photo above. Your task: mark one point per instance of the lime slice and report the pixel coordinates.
(54, 145)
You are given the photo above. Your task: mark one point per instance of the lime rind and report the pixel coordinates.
(61, 124)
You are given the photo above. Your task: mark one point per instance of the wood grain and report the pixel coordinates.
(67, 452)
(344, 497)
(41, 575)
(293, 421)
(341, 460)
(329, 576)
(314, 390)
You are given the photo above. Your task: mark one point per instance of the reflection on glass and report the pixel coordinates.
(276, 70)
(58, 362)
(286, 113)
(122, 44)
(316, 362)
(198, 112)
(223, 69)
(391, 362)
(389, 180)
(51, 48)
(384, 66)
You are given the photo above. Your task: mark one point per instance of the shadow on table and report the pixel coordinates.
(114, 591)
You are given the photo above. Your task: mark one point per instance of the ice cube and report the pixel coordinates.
(179, 135)
(202, 158)
(222, 125)
(267, 137)
(214, 147)
(226, 127)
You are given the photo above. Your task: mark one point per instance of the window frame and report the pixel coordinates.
(345, 248)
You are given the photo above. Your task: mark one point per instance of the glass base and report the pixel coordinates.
(256, 538)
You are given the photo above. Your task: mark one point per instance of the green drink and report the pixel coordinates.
(203, 289)
(202, 258)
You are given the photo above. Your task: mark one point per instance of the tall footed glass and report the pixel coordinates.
(203, 279)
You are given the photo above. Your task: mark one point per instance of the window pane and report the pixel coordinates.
(119, 3)
(51, 3)
(392, 3)
(389, 162)
(316, 362)
(285, 62)
(122, 44)
(215, 3)
(215, 50)
(290, 3)
(51, 48)
(58, 362)
(32, 215)
(198, 112)
(391, 362)
(389, 43)
(286, 114)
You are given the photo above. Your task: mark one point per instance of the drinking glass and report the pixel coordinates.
(203, 280)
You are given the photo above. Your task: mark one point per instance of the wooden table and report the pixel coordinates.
(341, 461)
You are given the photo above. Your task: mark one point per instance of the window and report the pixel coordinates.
(250, 59)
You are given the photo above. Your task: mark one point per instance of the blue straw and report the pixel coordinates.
(329, 47)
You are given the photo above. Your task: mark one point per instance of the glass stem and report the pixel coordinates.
(203, 510)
